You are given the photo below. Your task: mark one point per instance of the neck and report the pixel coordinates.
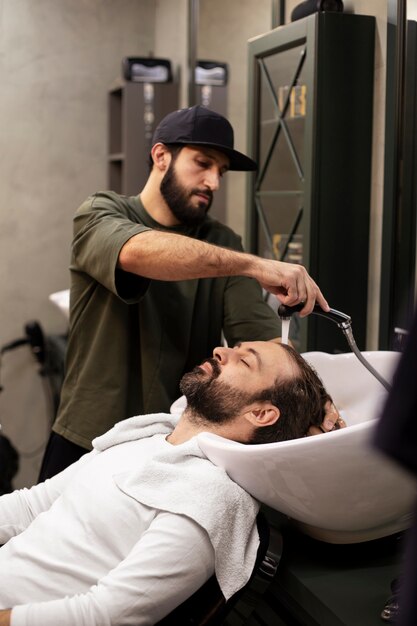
(155, 204)
(188, 426)
(191, 425)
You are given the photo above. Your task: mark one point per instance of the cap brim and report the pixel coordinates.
(238, 162)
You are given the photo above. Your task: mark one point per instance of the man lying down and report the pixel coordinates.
(133, 528)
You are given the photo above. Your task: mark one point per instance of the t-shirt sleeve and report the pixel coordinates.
(101, 229)
(247, 317)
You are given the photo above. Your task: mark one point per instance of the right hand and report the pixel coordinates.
(332, 420)
(291, 283)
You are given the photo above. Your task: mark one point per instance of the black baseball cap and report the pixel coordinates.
(199, 126)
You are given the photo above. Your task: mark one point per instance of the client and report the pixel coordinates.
(133, 528)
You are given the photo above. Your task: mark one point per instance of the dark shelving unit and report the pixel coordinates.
(310, 129)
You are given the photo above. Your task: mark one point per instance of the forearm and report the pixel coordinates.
(167, 564)
(168, 256)
(17, 511)
(5, 616)
(20, 508)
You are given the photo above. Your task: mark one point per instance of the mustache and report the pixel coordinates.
(205, 192)
(214, 366)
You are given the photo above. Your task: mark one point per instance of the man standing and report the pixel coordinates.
(155, 282)
(132, 529)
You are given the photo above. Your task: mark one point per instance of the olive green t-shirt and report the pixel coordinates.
(130, 338)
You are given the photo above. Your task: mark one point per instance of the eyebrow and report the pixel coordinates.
(209, 154)
(252, 351)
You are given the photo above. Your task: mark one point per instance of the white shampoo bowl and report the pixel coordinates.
(335, 486)
(61, 300)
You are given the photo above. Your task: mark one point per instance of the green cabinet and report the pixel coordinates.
(310, 129)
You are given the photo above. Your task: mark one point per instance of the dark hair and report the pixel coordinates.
(300, 401)
(173, 148)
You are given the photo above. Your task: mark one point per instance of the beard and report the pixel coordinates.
(179, 199)
(210, 399)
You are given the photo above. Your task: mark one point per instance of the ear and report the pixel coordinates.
(262, 414)
(161, 156)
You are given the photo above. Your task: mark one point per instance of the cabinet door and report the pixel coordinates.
(310, 129)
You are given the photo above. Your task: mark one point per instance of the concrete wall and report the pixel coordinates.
(223, 32)
(171, 39)
(57, 60)
(225, 28)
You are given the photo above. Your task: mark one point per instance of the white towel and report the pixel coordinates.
(183, 481)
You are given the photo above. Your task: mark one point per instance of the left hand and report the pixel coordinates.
(332, 421)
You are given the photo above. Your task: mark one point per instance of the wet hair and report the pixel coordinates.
(173, 148)
(300, 400)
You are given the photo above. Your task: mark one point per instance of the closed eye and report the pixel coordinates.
(245, 363)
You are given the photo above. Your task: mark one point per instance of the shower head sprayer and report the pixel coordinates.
(344, 322)
(341, 319)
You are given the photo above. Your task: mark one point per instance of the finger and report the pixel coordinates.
(321, 301)
(314, 430)
(312, 291)
(279, 292)
(331, 417)
(307, 292)
(309, 302)
(319, 430)
(316, 298)
(290, 282)
(337, 424)
(290, 298)
(302, 288)
(329, 422)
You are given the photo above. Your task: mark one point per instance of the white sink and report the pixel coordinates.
(61, 300)
(336, 487)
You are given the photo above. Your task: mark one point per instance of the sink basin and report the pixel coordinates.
(335, 486)
(61, 300)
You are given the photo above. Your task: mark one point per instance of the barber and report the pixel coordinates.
(155, 282)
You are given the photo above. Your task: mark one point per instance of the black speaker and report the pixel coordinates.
(147, 70)
(313, 6)
(211, 73)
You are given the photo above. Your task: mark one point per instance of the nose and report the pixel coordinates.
(213, 179)
(224, 355)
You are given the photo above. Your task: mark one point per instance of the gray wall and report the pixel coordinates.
(225, 28)
(57, 60)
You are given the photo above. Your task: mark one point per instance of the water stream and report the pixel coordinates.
(285, 330)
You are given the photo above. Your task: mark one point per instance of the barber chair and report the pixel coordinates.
(9, 464)
(207, 606)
